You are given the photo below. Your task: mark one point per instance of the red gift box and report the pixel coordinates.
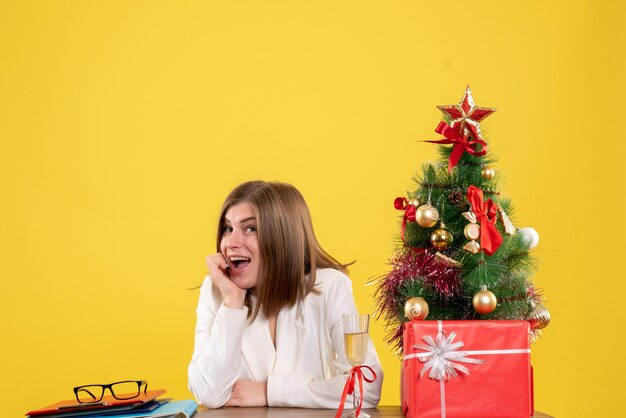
(466, 369)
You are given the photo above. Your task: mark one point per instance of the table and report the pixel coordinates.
(228, 412)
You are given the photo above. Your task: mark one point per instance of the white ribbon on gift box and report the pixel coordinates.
(441, 354)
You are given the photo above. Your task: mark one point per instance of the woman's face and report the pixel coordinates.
(240, 245)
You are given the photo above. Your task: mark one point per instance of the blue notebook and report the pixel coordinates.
(174, 409)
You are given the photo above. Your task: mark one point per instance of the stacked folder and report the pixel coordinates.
(147, 405)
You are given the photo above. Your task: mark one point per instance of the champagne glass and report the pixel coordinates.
(355, 327)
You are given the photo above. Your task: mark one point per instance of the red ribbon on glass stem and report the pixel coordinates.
(462, 144)
(487, 214)
(355, 373)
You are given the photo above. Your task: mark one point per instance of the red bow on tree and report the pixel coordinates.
(487, 214)
(355, 373)
(401, 203)
(462, 144)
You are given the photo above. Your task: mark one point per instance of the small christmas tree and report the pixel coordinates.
(460, 257)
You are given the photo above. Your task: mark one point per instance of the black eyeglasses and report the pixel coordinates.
(122, 390)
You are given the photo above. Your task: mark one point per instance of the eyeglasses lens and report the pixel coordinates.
(88, 394)
(125, 390)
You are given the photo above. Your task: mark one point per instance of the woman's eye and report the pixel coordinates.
(250, 228)
(227, 229)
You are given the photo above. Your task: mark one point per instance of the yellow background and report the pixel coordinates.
(124, 124)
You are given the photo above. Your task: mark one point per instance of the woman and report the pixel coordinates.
(269, 329)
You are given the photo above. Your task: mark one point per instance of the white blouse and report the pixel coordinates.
(308, 366)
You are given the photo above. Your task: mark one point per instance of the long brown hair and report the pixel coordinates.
(289, 251)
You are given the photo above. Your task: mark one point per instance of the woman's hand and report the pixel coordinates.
(248, 393)
(232, 294)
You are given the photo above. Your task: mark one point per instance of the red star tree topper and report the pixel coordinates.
(466, 116)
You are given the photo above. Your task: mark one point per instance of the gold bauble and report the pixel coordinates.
(416, 308)
(539, 317)
(441, 238)
(427, 216)
(472, 231)
(484, 301)
(414, 202)
(488, 173)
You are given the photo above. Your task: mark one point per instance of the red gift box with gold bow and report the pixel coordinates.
(466, 369)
